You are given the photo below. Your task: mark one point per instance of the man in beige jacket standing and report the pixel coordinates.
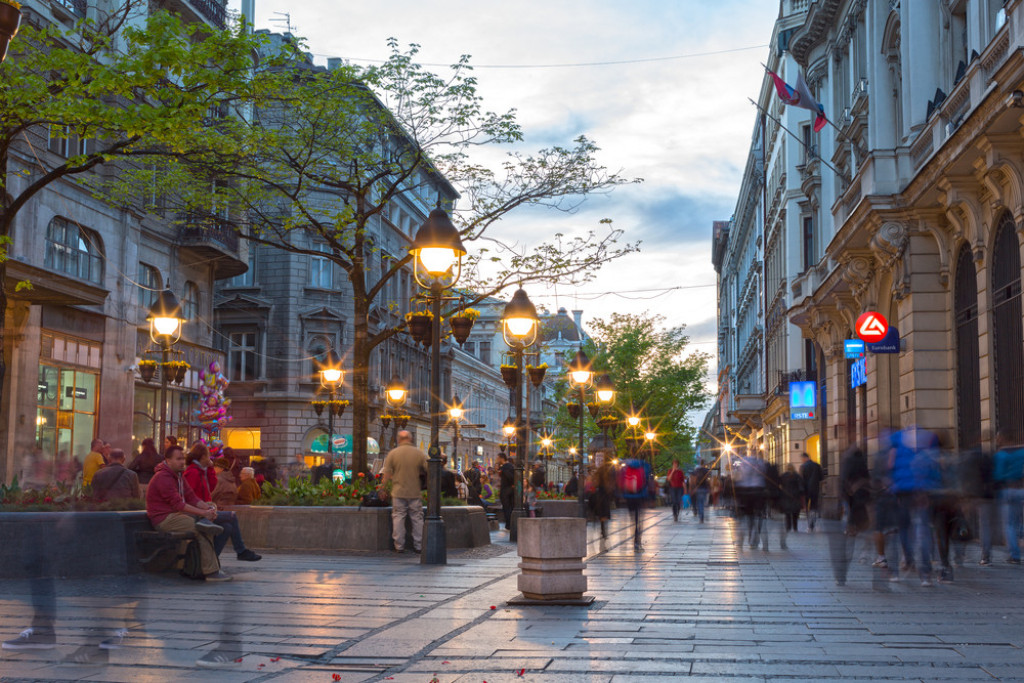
(403, 466)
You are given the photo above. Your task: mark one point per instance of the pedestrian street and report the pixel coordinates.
(688, 604)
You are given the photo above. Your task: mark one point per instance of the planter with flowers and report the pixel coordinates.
(147, 369)
(419, 325)
(536, 373)
(510, 375)
(462, 324)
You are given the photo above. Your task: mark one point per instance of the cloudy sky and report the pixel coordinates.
(660, 85)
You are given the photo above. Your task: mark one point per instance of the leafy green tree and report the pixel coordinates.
(130, 85)
(653, 375)
(329, 152)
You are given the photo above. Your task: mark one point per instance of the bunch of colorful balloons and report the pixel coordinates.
(213, 409)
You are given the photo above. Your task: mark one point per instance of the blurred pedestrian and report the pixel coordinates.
(748, 475)
(915, 475)
(572, 487)
(507, 475)
(700, 489)
(886, 506)
(1009, 477)
(603, 494)
(676, 480)
(144, 464)
(811, 474)
(635, 485)
(790, 497)
(978, 487)
(948, 520)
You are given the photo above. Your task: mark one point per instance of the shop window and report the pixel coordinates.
(66, 404)
(74, 251)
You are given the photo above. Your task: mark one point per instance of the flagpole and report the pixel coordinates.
(798, 139)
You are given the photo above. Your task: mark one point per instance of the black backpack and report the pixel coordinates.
(192, 561)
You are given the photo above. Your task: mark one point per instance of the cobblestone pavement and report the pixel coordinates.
(689, 604)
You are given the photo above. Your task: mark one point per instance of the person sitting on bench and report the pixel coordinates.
(172, 506)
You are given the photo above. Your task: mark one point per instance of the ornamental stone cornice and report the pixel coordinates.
(858, 271)
(820, 17)
(889, 243)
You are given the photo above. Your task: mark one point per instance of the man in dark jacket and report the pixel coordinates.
(810, 472)
(448, 487)
(508, 487)
(976, 472)
(115, 481)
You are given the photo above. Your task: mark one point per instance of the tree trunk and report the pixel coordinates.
(360, 382)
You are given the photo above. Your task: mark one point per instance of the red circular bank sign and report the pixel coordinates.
(872, 327)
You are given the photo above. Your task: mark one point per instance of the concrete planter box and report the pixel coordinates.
(552, 551)
(348, 528)
(69, 544)
(559, 508)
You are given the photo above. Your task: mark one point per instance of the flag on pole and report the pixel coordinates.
(800, 96)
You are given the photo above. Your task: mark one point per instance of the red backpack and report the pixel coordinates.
(634, 479)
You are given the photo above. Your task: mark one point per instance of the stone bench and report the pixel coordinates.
(348, 528)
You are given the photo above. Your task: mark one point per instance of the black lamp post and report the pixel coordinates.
(581, 375)
(519, 328)
(165, 323)
(437, 252)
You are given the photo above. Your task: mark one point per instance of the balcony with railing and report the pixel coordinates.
(212, 11)
(213, 240)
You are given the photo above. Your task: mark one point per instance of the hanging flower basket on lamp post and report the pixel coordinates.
(536, 373)
(462, 324)
(419, 325)
(510, 375)
(10, 20)
(574, 410)
(594, 409)
(147, 369)
(318, 406)
(338, 407)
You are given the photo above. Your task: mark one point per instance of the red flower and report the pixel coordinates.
(47, 500)
(335, 677)
(361, 475)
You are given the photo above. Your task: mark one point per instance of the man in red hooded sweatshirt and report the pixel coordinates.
(173, 506)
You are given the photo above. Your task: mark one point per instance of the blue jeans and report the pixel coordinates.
(700, 500)
(915, 510)
(232, 530)
(1013, 518)
(677, 501)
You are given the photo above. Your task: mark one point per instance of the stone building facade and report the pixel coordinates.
(916, 200)
(73, 341)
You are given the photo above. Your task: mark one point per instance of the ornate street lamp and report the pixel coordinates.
(455, 415)
(581, 376)
(331, 379)
(437, 252)
(165, 323)
(394, 394)
(651, 436)
(519, 329)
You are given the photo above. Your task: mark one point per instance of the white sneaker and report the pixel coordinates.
(115, 642)
(30, 640)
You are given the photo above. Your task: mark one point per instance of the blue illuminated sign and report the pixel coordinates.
(803, 400)
(858, 373)
(890, 343)
(854, 348)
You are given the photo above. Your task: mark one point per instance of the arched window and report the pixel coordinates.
(150, 284)
(190, 302)
(74, 251)
(968, 372)
(1007, 335)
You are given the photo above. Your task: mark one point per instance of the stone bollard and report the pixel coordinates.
(552, 551)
